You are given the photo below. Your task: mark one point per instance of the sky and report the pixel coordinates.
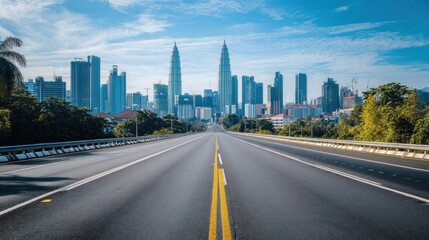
(373, 42)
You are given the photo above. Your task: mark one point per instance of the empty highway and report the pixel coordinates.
(215, 185)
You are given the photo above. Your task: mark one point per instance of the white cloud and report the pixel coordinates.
(341, 9)
(15, 10)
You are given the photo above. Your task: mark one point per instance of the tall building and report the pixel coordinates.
(134, 101)
(208, 98)
(234, 98)
(116, 91)
(249, 110)
(175, 80)
(94, 76)
(198, 101)
(145, 101)
(248, 91)
(300, 88)
(225, 82)
(185, 107)
(259, 93)
(80, 83)
(85, 83)
(104, 97)
(275, 95)
(43, 90)
(215, 102)
(160, 99)
(30, 85)
(330, 96)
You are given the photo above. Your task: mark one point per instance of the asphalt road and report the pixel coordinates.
(214, 185)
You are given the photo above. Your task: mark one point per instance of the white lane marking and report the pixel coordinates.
(29, 168)
(64, 161)
(92, 178)
(350, 157)
(224, 176)
(349, 176)
(220, 159)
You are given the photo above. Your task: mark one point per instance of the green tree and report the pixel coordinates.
(230, 120)
(10, 75)
(265, 125)
(371, 130)
(5, 128)
(421, 131)
(391, 94)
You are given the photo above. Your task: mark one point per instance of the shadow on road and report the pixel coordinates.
(12, 185)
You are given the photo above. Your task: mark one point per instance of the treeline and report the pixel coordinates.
(149, 123)
(24, 120)
(233, 122)
(390, 113)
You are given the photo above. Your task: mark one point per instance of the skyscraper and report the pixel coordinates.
(134, 101)
(94, 76)
(248, 91)
(208, 98)
(275, 95)
(259, 93)
(85, 83)
(225, 83)
(174, 81)
(104, 98)
(300, 88)
(160, 99)
(330, 96)
(46, 89)
(234, 98)
(116, 91)
(80, 83)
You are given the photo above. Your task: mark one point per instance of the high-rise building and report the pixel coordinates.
(30, 85)
(345, 92)
(85, 83)
(43, 90)
(234, 98)
(300, 88)
(198, 101)
(175, 80)
(134, 101)
(275, 95)
(116, 91)
(104, 97)
(145, 101)
(259, 93)
(160, 99)
(248, 91)
(80, 83)
(185, 107)
(330, 96)
(249, 110)
(94, 76)
(225, 82)
(208, 98)
(215, 102)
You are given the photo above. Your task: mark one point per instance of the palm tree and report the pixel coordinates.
(10, 75)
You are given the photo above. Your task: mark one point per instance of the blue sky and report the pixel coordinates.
(372, 41)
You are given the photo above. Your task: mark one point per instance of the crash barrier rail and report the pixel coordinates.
(415, 151)
(21, 152)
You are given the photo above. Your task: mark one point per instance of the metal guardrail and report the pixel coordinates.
(417, 151)
(21, 152)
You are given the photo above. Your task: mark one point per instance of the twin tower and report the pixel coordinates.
(225, 81)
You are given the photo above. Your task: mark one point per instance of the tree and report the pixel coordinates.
(421, 131)
(230, 120)
(371, 130)
(391, 94)
(265, 125)
(5, 130)
(10, 75)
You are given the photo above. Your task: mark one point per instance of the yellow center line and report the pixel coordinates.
(226, 229)
(213, 211)
(219, 186)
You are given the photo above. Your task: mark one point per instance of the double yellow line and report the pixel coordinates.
(219, 187)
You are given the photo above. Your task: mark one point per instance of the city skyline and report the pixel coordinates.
(322, 39)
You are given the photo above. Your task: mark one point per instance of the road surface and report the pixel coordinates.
(215, 185)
